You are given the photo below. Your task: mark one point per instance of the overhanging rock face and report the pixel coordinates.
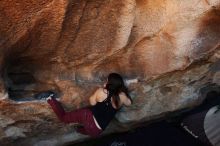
(171, 47)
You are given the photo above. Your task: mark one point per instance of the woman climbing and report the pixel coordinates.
(105, 102)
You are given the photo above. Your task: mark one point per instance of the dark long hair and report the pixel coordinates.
(114, 86)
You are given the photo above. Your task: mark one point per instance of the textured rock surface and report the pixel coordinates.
(171, 47)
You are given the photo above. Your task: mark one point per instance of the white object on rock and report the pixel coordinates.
(15, 132)
(130, 81)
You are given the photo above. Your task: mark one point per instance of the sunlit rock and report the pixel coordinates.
(171, 48)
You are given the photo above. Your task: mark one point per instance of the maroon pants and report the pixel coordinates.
(82, 116)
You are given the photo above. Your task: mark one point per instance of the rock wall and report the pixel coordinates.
(171, 47)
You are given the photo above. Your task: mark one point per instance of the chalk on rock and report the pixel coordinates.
(130, 81)
(45, 94)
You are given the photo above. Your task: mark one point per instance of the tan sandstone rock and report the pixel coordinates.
(171, 47)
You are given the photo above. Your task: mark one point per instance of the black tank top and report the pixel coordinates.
(104, 112)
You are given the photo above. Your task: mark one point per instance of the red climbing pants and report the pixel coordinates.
(82, 116)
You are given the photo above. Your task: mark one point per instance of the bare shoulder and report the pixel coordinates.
(100, 91)
(101, 94)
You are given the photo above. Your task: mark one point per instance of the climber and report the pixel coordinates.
(105, 102)
(199, 126)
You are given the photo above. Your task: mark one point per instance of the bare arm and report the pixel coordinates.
(125, 100)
